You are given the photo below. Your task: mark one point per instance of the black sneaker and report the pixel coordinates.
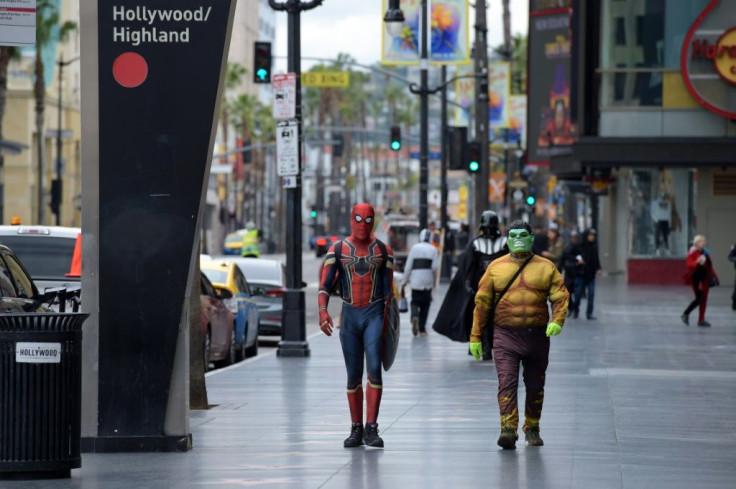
(371, 437)
(356, 436)
(532, 437)
(685, 319)
(704, 324)
(575, 314)
(508, 438)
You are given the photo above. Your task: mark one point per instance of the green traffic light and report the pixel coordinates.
(262, 74)
(395, 145)
(313, 214)
(473, 166)
(530, 200)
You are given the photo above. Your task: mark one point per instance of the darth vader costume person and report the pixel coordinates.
(480, 252)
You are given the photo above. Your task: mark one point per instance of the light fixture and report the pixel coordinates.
(394, 18)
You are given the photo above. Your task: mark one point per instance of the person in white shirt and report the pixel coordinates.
(420, 273)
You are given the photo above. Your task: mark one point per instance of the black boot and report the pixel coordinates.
(371, 436)
(356, 436)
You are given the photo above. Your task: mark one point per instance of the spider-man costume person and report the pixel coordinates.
(361, 268)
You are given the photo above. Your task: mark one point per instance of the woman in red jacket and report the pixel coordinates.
(700, 275)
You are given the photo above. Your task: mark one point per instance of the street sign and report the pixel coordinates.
(287, 148)
(326, 79)
(518, 183)
(517, 195)
(284, 95)
(289, 182)
(430, 155)
(18, 20)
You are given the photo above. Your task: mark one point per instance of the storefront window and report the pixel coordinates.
(662, 213)
(633, 34)
(679, 16)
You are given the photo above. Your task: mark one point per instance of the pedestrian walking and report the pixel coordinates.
(361, 268)
(555, 244)
(701, 276)
(512, 297)
(455, 317)
(420, 272)
(568, 264)
(732, 257)
(589, 269)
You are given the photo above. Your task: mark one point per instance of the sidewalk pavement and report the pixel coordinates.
(635, 399)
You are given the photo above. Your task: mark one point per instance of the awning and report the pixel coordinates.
(605, 152)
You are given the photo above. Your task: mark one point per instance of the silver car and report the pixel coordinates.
(267, 279)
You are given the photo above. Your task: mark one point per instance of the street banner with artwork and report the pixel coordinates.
(517, 119)
(499, 92)
(550, 131)
(449, 38)
(464, 95)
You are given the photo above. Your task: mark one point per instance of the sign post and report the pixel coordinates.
(284, 96)
(287, 148)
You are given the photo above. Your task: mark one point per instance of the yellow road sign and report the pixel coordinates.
(326, 79)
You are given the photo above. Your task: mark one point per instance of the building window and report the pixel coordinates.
(662, 212)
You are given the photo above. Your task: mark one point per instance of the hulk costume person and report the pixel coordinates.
(521, 330)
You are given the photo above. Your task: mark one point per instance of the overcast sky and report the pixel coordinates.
(354, 26)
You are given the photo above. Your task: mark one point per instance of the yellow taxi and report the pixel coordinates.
(225, 274)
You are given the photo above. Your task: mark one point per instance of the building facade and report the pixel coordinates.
(654, 106)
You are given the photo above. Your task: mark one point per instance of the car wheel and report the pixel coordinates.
(206, 350)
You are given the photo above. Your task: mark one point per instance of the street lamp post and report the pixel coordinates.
(394, 20)
(293, 323)
(56, 204)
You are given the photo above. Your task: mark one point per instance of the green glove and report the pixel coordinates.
(553, 329)
(476, 349)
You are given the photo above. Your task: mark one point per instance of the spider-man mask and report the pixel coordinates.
(361, 221)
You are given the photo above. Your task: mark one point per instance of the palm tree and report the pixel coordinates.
(7, 53)
(47, 23)
(241, 111)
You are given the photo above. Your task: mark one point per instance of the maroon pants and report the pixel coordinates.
(528, 347)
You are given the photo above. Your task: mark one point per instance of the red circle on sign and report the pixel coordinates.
(130, 69)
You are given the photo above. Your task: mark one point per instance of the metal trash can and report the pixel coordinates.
(40, 393)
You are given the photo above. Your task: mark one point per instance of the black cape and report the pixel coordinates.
(455, 317)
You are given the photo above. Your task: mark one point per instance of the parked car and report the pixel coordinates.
(323, 243)
(46, 251)
(18, 292)
(218, 325)
(52, 256)
(267, 279)
(233, 243)
(225, 274)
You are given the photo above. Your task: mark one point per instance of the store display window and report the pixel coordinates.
(661, 212)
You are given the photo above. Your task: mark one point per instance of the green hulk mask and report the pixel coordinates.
(520, 240)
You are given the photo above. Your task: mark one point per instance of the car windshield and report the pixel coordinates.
(216, 276)
(234, 238)
(43, 257)
(259, 274)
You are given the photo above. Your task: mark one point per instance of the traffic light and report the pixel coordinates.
(313, 214)
(395, 138)
(262, 62)
(473, 157)
(457, 147)
(531, 197)
(337, 145)
(55, 195)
